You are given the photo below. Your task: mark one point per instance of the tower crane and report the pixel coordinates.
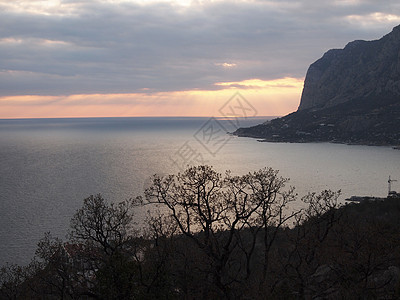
(390, 184)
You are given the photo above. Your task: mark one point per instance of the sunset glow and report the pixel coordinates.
(110, 58)
(272, 98)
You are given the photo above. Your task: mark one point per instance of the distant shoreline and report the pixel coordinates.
(303, 141)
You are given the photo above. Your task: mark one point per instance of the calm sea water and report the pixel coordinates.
(48, 166)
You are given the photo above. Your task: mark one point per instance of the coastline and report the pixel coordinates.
(274, 137)
(304, 141)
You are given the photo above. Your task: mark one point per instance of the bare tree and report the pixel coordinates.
(12, 278)
(109, 226)
(223, 215)
(213, 235)
(106, 246)
(307, 238)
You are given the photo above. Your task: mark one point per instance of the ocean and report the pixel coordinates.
(48, 166)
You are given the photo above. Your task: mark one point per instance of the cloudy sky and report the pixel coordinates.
(70, 58)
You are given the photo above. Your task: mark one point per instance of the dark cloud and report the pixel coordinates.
(109, 47)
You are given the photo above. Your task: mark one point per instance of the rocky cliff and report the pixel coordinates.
(350, 95)
(361, 69)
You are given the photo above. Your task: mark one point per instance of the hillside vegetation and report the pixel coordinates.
(214, 236)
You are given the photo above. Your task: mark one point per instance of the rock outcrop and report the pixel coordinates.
(361, 69)
(350, 95)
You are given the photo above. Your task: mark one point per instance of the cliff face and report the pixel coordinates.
(361, 69)
(350, 95)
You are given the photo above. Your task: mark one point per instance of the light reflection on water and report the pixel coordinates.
(47, 167)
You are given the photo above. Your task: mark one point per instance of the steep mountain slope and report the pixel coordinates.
(350, 95)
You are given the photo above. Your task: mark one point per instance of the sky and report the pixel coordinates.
(111, 58)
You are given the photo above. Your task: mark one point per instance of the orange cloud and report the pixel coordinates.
(272, 98)
(287, 82)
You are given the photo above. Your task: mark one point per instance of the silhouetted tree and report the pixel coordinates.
(106, 226)
(12, 278)
(307, 239)
(108, 245)
(214, 212)
(214, 236)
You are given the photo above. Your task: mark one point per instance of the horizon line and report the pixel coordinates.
(121, 117)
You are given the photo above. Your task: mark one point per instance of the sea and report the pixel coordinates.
(48, 166)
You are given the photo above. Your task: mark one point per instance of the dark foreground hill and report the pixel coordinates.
(353, 250)
(350, 95)
(214, 236)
